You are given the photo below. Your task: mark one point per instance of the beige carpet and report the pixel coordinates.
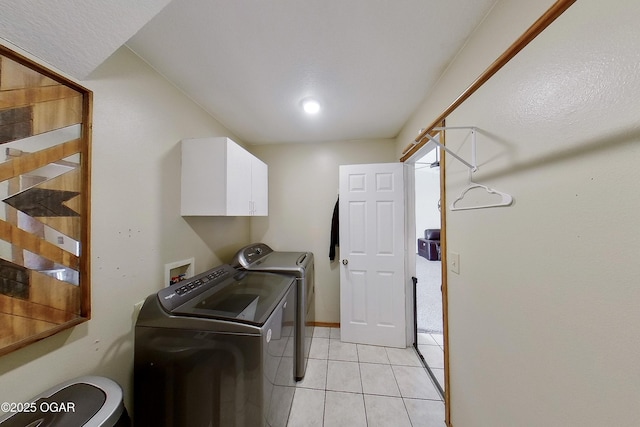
(428, 295)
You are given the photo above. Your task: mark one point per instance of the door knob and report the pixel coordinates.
(345, 261)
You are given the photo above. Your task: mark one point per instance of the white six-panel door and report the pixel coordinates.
(372, 254)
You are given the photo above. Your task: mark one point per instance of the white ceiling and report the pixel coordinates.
(249, 63)
(75, 36)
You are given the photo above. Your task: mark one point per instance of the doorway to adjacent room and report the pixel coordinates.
(428, 286)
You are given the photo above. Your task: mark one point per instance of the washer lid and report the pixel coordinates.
(248, 298)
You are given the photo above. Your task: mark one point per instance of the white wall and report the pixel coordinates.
(138, 122)
(505, 23)
(427, 189)
(543, 317)
(303, 190)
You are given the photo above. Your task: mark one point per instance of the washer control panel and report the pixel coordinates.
(199, 282)
(178, 293)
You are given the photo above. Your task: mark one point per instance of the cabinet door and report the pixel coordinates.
(238, 180)
(203, 177)
(259, 187)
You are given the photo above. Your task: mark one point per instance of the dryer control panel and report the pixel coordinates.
(178, 293)
(251, 254)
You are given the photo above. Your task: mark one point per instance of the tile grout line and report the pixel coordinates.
(324, 406)
(364, 404)
(393, 372)
(432, 379)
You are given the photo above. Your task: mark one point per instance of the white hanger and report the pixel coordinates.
(506, 200)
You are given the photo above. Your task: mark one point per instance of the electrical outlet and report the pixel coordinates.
(454, 262)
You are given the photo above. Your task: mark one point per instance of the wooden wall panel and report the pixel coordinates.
(23, 163)
(17, 328)
(30, 96)
(56, 114)
(43, 191)
(54, 293)
(67, 225)
(17, 76)
(35, 311)
(15, 123)
(32, 243)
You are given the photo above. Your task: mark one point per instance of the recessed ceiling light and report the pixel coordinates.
(311, 106)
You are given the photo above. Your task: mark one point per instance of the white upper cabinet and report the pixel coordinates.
(259, 187)
(220, 178)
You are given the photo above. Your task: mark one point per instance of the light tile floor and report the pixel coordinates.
(360, 385)
(431, 347)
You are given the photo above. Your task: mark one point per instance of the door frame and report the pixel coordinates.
(411, 264)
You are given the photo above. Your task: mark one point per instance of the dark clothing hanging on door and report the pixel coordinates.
(335, 232)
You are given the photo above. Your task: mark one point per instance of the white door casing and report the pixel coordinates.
(372, 251)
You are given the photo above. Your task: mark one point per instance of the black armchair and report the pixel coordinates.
(429, 247)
